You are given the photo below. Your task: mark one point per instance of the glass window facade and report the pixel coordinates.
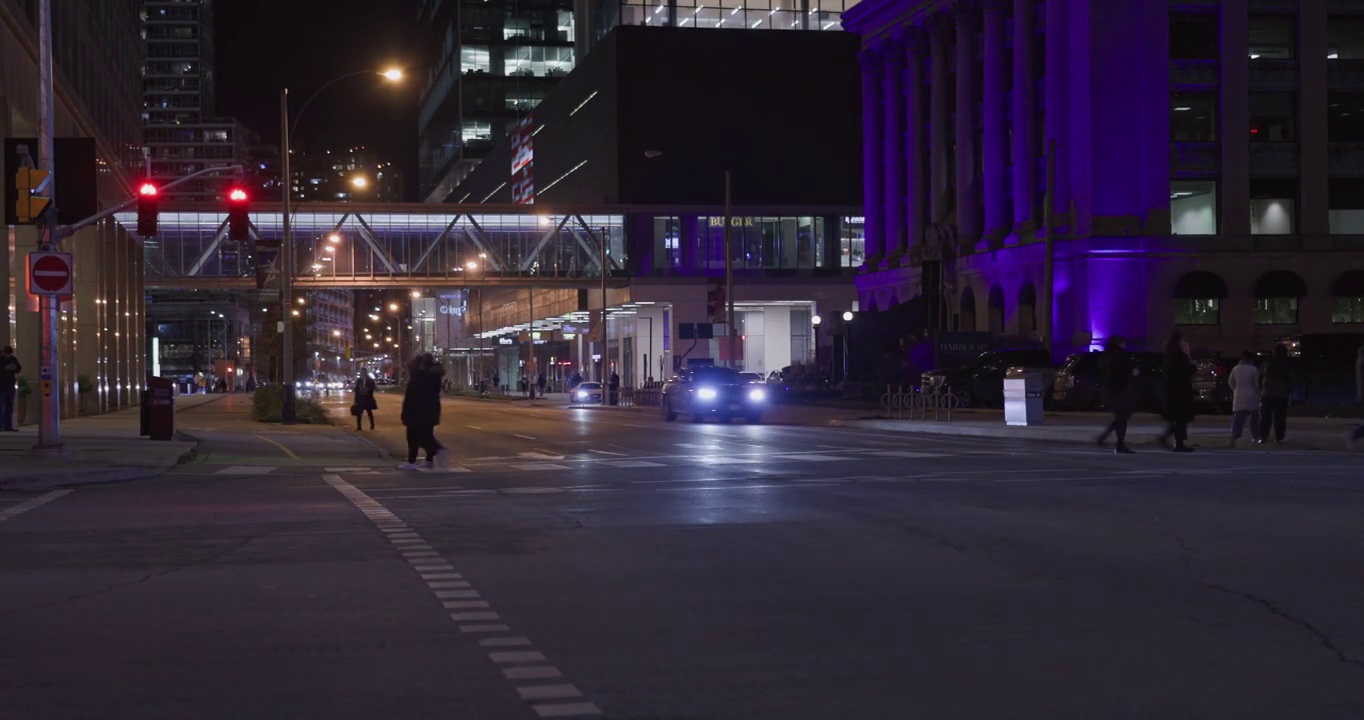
(853, 242)
(1194, 36)
(1273, 117)
(1273, 37)
(1276, 311)
(1193, 117)
(1193, 207)
(1345, 37)
(1345, 122)
(1197, 311)
(1347, 310)
(733, 14)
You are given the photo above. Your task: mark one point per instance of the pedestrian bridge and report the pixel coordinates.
(351, 245)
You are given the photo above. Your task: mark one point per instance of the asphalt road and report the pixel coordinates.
(602, 563)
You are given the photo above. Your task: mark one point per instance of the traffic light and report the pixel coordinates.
(148, 197)
(238, 221)
(31, 184)
(715, 301)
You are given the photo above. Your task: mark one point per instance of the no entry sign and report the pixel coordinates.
(49, 273)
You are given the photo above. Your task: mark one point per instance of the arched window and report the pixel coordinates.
(1276, 297)
(997, 310)
(1027, 308)
(1347, 297)
(968, 310)
(1198, 298)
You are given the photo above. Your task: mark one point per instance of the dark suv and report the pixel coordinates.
(981, 383)
(1078, 385)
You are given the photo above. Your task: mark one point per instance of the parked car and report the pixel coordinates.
(715, 392)
(1078, 385)
(1210, 383)
(588, 393)
(981, 383)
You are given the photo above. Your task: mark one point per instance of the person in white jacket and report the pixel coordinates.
(1244, 382)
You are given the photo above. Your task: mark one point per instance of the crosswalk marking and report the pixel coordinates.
(634, 464)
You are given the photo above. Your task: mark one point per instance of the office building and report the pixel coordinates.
(1208, 168)
(597, 17)
(494, 61)
(350, 175)
(602, 140)
(97, 87)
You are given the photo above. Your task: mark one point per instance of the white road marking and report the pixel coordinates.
(442, 584)
(504, 642)
(441, 576)
(523, 437)
(473, 427)
(607, 452)
(456, 594)
(466, 605)
(474, 616)
(420, 553)
(246, 470)
(539, 466)
(517, 656)
(807, 458)
(557, 710)
(483, 628)
(634, 464)
(907, 454)
(31, 503)
(531, 673)
(548, 692)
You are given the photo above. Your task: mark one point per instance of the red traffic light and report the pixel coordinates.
(236, 195)
(147, 189)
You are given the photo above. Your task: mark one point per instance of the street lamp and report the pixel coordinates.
(287, 250)
(815, 322)
(359, 182)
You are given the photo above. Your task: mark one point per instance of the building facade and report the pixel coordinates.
(345, 175)
(97, 57)
(600, 141)
(1206, 174)
(493, 62)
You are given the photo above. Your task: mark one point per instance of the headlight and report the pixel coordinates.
(705, 394)
(582, 395)
(757, 395)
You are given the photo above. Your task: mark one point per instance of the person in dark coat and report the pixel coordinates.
(1117, 392)
(1179, 393)
(1359, 392)
(421, 411)
(1276, 385)
(9, 375)
(364, 399)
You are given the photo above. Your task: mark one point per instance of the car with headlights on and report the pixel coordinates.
(588, 393)
(715, 392)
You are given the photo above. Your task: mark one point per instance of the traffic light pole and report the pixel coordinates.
(286, 268)
(49, 424)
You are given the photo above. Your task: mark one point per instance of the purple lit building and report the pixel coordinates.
(1209, 167)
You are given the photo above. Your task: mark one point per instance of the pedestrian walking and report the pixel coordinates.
(9, 375)
(540, 383)
(365, 401)
(1117, 392)
(497, 382)
(1244, 382)
(1359, 392)
(421, 412)
(1179, 372)
(1276, 386)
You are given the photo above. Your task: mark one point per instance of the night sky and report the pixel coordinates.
(263, 45)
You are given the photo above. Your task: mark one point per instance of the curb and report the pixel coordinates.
(94, 477)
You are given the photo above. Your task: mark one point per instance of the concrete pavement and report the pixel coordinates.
(593, 564)
(97, 448)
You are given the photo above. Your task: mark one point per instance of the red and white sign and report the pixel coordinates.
(49, 273)
(523, 164)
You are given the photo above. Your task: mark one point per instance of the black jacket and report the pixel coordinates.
(1179, 392)
(364, 394)
(1116, 366)
(421, 399)
(9, 370)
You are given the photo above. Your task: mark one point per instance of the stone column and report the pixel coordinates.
(1313, 127)
(873, 121)
(940, 29)
(995, 144)
(1058, 105)
(893, 154)
(1025, 124)
(967, 180)
(1233, 193)
(916, 49)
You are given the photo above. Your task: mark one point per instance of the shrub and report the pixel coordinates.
(267, 405)
(24, 387)
(83, 384)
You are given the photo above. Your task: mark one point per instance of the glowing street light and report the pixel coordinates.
(393, 74)
(393, 307)
(333, 238)
(359, 182)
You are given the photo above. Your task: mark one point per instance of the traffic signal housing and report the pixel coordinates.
(238, 218)
(30, 203)
(716, 308)
(148, 198)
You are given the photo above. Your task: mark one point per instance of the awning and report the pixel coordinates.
(1279, 284)
(1200, 284)
(1350, 284)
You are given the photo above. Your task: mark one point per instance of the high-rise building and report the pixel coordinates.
(97, 56)
(595, 18)
(495, 61)
(1208, 168)
(183, 132)
(350, 175)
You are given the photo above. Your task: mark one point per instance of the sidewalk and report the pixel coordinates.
(1207, 430)
(98, 448)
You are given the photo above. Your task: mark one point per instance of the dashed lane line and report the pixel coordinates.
(513, 653)
(31, 503)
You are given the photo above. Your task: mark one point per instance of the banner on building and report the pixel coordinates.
(523, 164)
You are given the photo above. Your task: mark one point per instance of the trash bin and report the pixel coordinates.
(161, 409)
(1022, 397)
